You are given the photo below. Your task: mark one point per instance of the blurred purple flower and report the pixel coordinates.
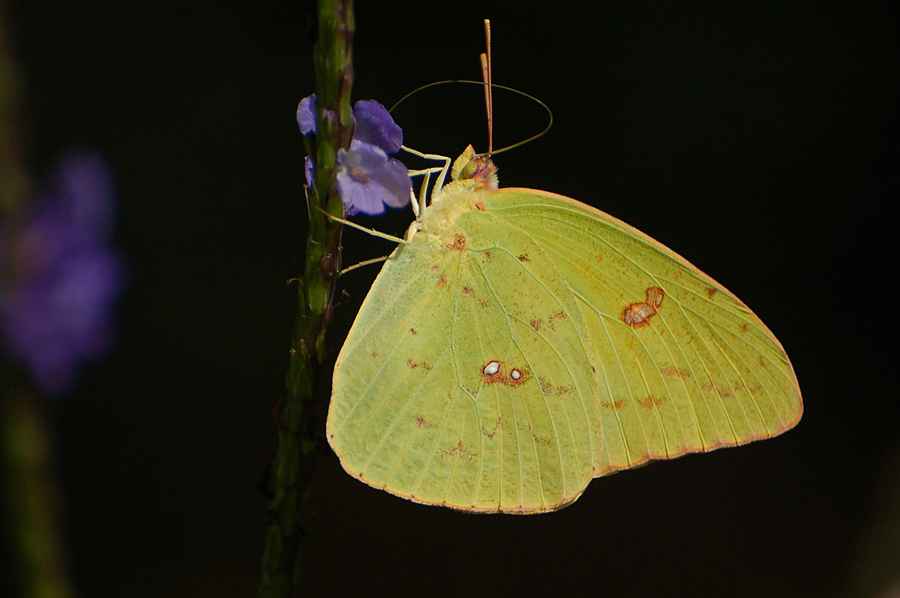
(62, 278)
(367, 178)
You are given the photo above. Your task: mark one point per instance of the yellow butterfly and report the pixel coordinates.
(521, 343)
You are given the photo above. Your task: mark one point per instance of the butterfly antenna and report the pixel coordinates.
(488, 95)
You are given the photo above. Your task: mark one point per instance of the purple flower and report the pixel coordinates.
(374, 125)
(61, 277)
(371, 178)
(306, 115)
(367, 178)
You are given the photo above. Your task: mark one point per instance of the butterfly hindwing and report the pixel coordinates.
(467, 379)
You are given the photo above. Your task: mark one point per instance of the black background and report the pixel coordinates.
(757, 139)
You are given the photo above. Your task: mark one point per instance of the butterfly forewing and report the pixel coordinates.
(683, 365)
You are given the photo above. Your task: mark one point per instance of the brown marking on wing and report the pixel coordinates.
(637, 315)
(546, 385)
(415, 364)
(459, 243)
(458, 451)
(674, 371)
(655, 296)
(544, 440)
(494, 431)
(468, 291)
(650, 402)
(512, 378)
(557, 315)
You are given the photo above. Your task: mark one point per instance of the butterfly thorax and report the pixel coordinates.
(471, 175)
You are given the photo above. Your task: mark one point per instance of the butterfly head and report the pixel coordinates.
(477, 169)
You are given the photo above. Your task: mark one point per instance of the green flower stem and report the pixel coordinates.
(29, 491)
(297, 439)
(31, 495)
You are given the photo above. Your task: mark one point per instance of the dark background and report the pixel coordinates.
(757, 139)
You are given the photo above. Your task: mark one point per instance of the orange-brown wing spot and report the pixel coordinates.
(546, 385)
(421, 422)
(494, 431)
(674, 371)
(545, 440)
(563, 390)
(458, 451)
(468, 291)
(479, 205)
(617, 404)
(523, 258)
(434, 268)
(418, 364)
(650, 402)
(558, 315)
(638, 315)
(488, 256)
(374, 354)
(459, 243)
(655, 296)
(711, 292)
(495, 372)
(413, 331)
(442, 283)
(536, 323)
(744, 327)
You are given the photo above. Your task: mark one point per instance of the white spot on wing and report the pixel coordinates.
(492, 368)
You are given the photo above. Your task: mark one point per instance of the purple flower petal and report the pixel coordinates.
(309, 169)
(86, 185)
(375, 125)
(367, 179)
(306, 115)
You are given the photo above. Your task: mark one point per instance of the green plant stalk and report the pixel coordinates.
(296, 434)
(30, 496)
